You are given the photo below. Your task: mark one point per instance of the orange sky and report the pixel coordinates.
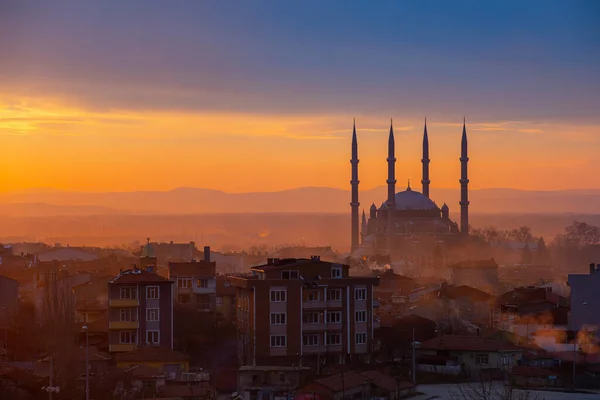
(50, 143)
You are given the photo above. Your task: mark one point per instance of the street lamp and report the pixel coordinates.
(87, 363)
(414, 345)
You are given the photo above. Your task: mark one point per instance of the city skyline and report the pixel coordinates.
(262, 98)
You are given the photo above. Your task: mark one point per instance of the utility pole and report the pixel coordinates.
(87, 363)
(51, 388)
(414, 362)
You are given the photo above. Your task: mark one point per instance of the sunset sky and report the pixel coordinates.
(260, 95)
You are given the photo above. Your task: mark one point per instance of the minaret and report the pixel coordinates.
(391, 182)
(425, 160)
(363, 227)
(464, 184)
(354, 182)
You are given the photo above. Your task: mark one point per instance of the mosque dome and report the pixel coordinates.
(413, 200)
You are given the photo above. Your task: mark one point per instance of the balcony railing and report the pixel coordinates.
(121, 347)
(124, 302)
(123, 324)
(314, 304)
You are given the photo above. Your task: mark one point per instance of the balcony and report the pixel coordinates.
(113, 348)
(124, 303)
(123, 325)
(314, 305)
(334, 303)
(314, 327)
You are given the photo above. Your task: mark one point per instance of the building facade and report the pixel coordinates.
(195, 283)
(304, 312)
(140, 310)
(585, 300)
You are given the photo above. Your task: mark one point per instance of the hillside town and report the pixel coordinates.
(174, 321)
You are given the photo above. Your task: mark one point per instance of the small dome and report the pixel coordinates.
(445, 207)
(373, 207)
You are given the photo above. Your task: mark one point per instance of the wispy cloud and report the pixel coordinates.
(531, 131)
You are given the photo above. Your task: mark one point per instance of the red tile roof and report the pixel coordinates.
(151, 354)
(138, 276)
(467, 343)
(353, 379)
(532, 371)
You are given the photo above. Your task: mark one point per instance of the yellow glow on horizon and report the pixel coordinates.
(47, 143)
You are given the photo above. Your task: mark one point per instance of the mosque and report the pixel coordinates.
(409, 227)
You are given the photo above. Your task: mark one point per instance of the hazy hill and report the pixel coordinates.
(301, 200)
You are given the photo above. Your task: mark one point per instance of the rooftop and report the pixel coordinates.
(467, 343)
(276, 264)
(137, 275)
(151, 354)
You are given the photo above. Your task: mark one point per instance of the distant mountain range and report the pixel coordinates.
(182, 201)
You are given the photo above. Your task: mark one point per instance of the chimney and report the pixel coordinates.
(315, 258)
(592, 268)
(270, 261)
(207, 253)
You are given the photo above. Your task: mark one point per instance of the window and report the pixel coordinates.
(334, 294)
(128, 292)
(128, 314)
(481, 359)
(360, 294)
(152, 314)
(219, 301)
(152, 292)
(128, 337)
(289, 274)
(361, 338)
(184, 283)
(313, 295)
(202, 283)
(310, 340)
(152, 337)
(336, 272)
(278, 341)
(361, 316)
(203, 301)
(334, 339)
(334, 317)
(278, 319)
(183, 298)
(278, 296)
(310, 318)
(505, 360)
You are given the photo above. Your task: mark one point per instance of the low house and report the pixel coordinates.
(171, 361)
(473, 354)
(358, 385)
(532, 376)
(186, 392)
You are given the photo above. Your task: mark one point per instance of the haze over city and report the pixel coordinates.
(299, 200)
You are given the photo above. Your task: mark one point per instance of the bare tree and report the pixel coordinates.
(485, 389)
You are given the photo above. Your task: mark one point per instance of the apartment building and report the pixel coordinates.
(140, 310)
(304, 312)
(195, 283)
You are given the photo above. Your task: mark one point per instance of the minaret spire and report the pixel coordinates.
(464, 183)
(391, 182)
(425, 160)
(354, 183)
